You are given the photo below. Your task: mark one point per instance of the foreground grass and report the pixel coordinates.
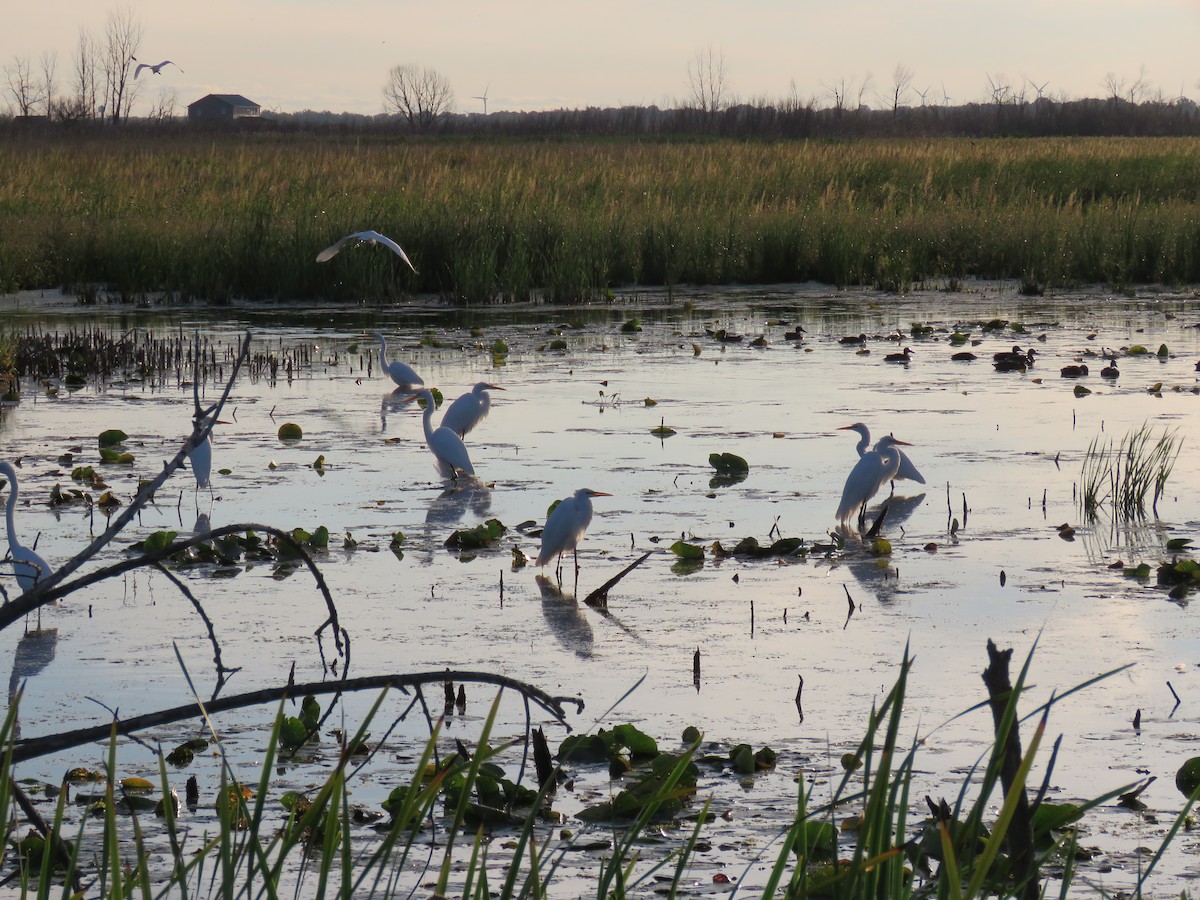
(455, 832)
(221, 216)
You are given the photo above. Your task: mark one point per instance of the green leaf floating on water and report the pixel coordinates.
(1187, 779)
(685, 550)
(1178, 545)
(1142, 571)
(290, 431)
(116, 457)
(728, 463)
(111, 437)
(292, 733)
(480, 536)
(158, 541)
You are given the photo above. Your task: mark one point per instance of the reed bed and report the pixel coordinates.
(1121, 474)
(216, 217)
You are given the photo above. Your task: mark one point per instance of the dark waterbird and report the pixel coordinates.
(964, 356)
(853, 339)
(1075, 371)
(1110, 371)
(901, 357)
(1015, 360)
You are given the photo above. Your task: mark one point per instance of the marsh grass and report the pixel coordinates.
(227, 216)
(1124, 473)
(317, 851)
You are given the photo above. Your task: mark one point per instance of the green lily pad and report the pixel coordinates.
(290, 431)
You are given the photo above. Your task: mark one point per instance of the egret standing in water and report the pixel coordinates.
(874, 469)
(566, 525)
(200, 457)
(449, 453)
(28, 566)
(906, 471)
(403, 376)
(470, 409)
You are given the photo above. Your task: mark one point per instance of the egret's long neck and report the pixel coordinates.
(8, 512)
(429, 421)
(864, 441)
(382, 352)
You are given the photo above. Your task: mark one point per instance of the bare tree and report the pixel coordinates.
(418, 93)
(122, 37)
(862, 90)
(1139, 87)
(999, 88)
(49, 84)
(901, 80)
(22, 86)
(838, 91)
(708, 80)
(163, 108)
(1114, 85)
(82, 104)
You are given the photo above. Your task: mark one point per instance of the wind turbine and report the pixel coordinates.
(946, 98)
(1035, 86)
(921, 94)
(483, 97)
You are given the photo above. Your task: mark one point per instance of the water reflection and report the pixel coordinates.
(395, 402)
(450, 507)
(875, 573)
(567, 620)
(35, 650)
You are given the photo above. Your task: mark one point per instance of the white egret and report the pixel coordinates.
(365, 237)
(402, 375)
(449, 452)
(874, 469)
(200, 459)
(28, 566)
(565, 526)
(906, 471)
(156, 69)
(470, 409)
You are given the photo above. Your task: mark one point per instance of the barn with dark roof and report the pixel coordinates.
(223, 106)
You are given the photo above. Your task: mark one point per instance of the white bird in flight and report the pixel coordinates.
(470, 409)
(449, 453)
(156, 69)
(28, 566)
(364, 237)
(566, 525)
(906, 471)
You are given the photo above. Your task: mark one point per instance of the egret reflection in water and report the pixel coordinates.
(394, 402)
(568, 622)
(450, 507)
(34, 652)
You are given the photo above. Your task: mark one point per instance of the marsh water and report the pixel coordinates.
(975, 551)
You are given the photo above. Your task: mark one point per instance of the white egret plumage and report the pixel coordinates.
(365, 237)
(907, 470)
(402, 375)
(155, 68)
(449, 453)
(566, 525)
(27, 564)
(874, 469)
(469, 409)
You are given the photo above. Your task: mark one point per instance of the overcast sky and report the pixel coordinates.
(291, 55)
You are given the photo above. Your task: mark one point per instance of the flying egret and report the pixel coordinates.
(470, 409)
(365, 237)
(402, 375)
(874, 469)
(449, 452)
(28, 566)
(906, 471)
(566, 526)
(156, 69)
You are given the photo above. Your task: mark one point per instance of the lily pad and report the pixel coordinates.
(684, 550)
(290, 431)
(111, 437)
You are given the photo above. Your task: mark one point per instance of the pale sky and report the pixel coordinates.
(291, 55)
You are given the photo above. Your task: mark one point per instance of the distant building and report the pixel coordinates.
(223, 106)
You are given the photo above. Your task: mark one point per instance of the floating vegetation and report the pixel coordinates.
(482, 535)
(1123, 474)
(731, 469)
(290, 431)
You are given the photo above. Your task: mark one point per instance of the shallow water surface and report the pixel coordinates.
(1001, 453)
